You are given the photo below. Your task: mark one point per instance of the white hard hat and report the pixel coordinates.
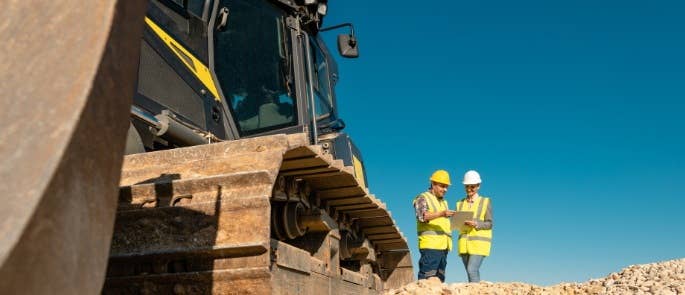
(471, 177)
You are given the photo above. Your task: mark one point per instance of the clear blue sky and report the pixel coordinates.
(572, 111)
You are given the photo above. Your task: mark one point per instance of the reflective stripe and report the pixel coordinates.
(434, 233)
(433, 206)
(461, 205)
(475, 238)
(432, 272)
(480, 208)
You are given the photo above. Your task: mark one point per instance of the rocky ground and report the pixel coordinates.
(666, 277)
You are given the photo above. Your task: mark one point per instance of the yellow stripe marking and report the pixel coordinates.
(358, 170)
(200, 70)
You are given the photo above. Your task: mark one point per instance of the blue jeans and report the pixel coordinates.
(472, 265)
(432, 264)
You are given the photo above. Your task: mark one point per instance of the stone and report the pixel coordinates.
(657, 278)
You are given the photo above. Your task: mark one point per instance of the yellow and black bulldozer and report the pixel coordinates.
(183, 147)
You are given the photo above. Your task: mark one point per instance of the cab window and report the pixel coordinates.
(252, 63)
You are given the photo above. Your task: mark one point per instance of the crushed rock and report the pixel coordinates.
(662, 278)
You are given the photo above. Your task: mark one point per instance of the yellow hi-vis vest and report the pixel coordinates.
(471, 240)
(435, 234)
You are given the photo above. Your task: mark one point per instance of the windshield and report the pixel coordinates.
(251, 60)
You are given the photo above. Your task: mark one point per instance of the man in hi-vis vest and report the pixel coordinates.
(475, 238)
(433, 227)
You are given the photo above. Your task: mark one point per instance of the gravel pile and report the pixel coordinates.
(666, 277)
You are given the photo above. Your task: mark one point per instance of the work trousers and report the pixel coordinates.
(472, 264)
(432, 264)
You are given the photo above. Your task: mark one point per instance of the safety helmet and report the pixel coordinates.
(441, 176)
(472, 177)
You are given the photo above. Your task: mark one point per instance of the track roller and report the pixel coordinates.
(286, 220)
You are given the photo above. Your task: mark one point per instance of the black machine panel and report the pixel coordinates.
(159, 82)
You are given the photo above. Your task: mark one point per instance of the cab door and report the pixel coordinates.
(252, 57)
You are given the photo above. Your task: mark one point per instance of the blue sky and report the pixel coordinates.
(572, 111)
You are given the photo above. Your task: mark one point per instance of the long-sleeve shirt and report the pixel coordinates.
(487, 224)
(420, 207)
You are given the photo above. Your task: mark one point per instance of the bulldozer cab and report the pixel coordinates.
(224, 70)
(234, 69)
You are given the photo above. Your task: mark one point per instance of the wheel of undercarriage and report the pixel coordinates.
(276, 227)
(291, 220)
(286, 220)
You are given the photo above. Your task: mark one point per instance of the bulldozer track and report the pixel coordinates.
(269, 215)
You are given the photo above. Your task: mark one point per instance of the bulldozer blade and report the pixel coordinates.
(67, 75)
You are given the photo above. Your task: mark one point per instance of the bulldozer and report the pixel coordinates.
(183, 147)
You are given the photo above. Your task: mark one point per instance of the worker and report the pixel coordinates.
(475, 237)
(433, 227)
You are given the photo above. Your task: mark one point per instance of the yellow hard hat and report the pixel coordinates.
(441, 176)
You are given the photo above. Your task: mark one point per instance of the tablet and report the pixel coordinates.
(458, 219)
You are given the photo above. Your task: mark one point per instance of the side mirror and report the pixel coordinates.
(347, 46)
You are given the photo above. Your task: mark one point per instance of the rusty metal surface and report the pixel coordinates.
(196, 219)
(207, 214)
(188, 215)
(290, 257)
(397, 268)
(262, 153)
(67, 71)
(256, 280)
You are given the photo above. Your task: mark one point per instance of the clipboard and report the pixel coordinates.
(457, 220)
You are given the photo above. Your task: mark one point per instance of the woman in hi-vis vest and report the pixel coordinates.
(475, 237)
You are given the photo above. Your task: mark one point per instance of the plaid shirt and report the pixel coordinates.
(420, 207)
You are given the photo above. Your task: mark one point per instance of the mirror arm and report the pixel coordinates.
(340, 26)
